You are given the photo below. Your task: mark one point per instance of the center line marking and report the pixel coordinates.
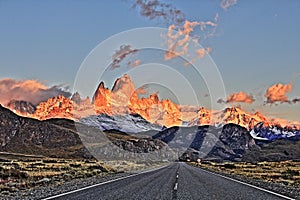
(176, 186)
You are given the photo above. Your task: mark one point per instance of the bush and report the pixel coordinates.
(49, 161)
(74, 165)
(288, 174)
(6, 173)
(229, 166)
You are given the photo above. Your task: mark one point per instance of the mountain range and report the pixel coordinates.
(123, 99)
(68, 139)
(67, 127)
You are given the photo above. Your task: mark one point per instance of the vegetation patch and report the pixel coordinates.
(284, 172)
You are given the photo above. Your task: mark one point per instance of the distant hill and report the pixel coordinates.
(55, 137)
(228, 143)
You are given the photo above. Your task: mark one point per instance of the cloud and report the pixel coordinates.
(295, 100)
(28, 90)
(179, 29)
(225, 4)
(178, 39)
(277, 93)
(216, 17)
(135, 63)
(238, 97)
(221, 101)
(120, 55)
(201, 52)
(154, 9)
(142, 90)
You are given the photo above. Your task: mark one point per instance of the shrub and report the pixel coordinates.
(229, 166)
(74, 165)
(288, 174)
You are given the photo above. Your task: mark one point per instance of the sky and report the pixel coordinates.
(255, 44)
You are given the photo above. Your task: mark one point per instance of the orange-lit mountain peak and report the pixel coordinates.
(56, 107)
(102, 100)
(154, 98)
(123, 85)
(259, 116)
(205, 116)
(163, 112)
(123, 99)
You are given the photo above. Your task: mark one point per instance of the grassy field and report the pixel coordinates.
(20, 171)
(285, 172)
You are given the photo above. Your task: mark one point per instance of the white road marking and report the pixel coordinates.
(176, 186)
(103, 183)
(253, 186)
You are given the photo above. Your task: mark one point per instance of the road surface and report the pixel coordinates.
(175, 181)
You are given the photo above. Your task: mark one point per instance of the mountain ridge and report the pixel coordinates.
(123, 99)
(66, 138)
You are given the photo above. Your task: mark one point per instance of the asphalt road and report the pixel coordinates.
(176, 181)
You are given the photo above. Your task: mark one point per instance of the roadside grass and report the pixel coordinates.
(22, 172)
(284, 172)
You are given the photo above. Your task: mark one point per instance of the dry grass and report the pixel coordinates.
(20, 172)
(16, 174)
(285, 172)
(49, 167)
(128, 166)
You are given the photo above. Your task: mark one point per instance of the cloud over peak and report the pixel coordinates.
(240, 97)
(277, 93)
(28, 90)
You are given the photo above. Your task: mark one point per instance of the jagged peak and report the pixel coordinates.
(120, 82)
(99, 91)
(101, 85)
(154, 97)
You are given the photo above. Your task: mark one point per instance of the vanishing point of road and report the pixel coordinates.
(175, 181)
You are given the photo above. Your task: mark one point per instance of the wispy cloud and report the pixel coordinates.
(203, 51)
(120, 55)
(179, 38)
(135, 63)
(225, 4)
(154, 9)
(180, 28)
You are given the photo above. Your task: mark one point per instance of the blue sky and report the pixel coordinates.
(256, 42)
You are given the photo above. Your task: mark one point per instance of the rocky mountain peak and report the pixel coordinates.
(21, 107)
(55, 107)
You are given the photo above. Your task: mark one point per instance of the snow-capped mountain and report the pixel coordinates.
(127, 123)
(122, 109)
(260, 132)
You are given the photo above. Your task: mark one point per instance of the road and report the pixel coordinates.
(175, 181)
